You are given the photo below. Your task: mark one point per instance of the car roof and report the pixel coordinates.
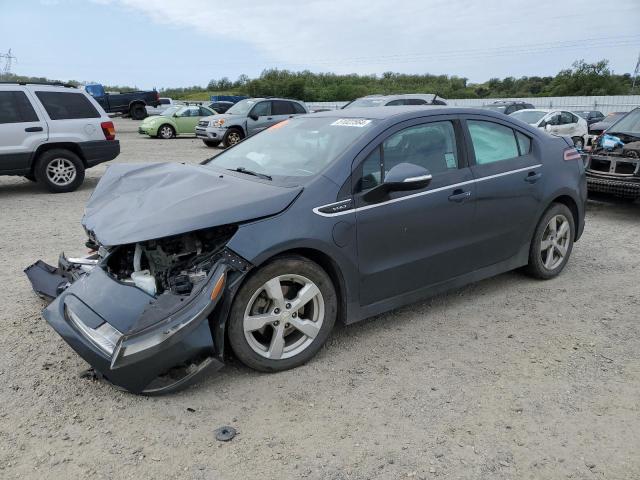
(403, 112)
(257, 99)
(508, 102)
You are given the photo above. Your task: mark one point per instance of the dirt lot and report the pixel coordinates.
(510, 378)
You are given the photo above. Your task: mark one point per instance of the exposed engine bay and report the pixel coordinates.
(173, 264)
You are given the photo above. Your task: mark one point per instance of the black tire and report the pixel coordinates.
(138, 112)
(54, 158)
(166, 128)
(536, 267)
(578, 142)
(233, 136)
(289, 265)
(211, 143)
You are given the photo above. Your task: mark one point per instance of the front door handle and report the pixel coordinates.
(459, 196)
(33, 129)
(533, 177)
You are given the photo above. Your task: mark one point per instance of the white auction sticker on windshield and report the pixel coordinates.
(351, 122)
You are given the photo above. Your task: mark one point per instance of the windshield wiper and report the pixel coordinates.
(251, 172)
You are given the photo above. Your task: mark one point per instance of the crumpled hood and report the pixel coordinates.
(145, 201)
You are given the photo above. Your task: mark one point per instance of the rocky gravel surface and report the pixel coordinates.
(510, 378)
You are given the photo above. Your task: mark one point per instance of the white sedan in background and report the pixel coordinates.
(560, 122)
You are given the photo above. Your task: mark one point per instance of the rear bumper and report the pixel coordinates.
(99, 151)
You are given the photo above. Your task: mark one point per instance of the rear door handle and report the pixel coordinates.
(33, 129)
(533, 177)
(459, 196)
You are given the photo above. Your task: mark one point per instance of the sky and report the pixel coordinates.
(179, 43)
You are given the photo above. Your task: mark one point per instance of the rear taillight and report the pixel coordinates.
(572, 154)
(109, 130)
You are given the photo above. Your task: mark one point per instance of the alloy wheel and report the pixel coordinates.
(283, 317)
(555, 242)
(61, 172)
(166, 132)
(233, 138)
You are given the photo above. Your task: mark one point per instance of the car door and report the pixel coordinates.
(188, 119)
(409, 240)
(259, 117)
(509, 179)
(22, 130)
(568, 124)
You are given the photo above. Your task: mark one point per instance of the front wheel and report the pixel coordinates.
(166, 132)
(211, 143)
(552, 242)
(233, 136)
(282, 315)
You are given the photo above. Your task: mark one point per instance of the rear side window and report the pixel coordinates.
(165, 101)
(16, 108)
(67, 105)
(279, 107)
(492, 142)
(416, 101)
(394, 103)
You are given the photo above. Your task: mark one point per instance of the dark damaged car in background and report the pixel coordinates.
(333, 216)
(613, 164)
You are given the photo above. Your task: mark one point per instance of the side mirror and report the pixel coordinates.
(407, 176)
(254, 117)
(402, 177)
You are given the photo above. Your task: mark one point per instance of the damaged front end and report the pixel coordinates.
(613, 164)
(149, 316)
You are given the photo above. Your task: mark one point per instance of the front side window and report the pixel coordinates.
(67, 105)
(431, 145)
(16, 108)
(262, 109)
(566, 118)
(492, 142)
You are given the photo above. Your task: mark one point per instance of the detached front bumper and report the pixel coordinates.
(137, 342)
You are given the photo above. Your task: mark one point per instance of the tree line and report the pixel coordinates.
(581, 79)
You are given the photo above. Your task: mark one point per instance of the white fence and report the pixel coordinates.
(605, 104)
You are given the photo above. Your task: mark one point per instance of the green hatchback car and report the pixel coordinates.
(174, 121)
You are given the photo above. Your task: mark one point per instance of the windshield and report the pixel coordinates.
(366, 102)
(529, 116)
(613, 117)
(584, 115)
(242, 107)
(299, 147)
(495, 108)
(628, 124)
(170, 111)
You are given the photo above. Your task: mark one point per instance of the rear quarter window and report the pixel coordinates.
(67, 105)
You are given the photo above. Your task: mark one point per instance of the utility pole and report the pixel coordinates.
(8, 58)
(635, 74)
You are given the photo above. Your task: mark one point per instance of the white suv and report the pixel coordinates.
(50, 133)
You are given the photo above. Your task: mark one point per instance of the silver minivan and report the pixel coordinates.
(246, 118)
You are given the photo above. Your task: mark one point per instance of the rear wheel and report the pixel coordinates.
(166, 132)
(552, 242)
(233, 136)
(211, 143)
(59, 171)
(138, 112)
(282, 315)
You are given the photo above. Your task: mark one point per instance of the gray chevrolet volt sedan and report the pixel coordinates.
(333, 216)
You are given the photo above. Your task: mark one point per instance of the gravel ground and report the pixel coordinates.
(508, 378)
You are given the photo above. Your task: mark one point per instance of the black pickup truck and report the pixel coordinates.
(132, 103)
